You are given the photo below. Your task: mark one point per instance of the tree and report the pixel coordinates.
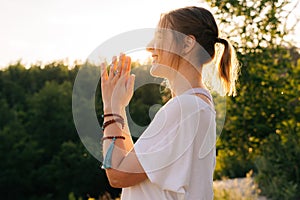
(267, 94)
(41, 154)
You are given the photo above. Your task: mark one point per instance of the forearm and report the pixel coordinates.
(122, 147)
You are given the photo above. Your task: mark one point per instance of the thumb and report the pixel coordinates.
(130, 84)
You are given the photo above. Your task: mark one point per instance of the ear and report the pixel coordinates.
(189, 43)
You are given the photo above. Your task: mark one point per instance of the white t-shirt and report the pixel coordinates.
(177, 151)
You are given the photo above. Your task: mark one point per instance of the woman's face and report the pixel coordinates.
(162, 48)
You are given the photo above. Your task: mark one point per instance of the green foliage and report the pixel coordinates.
(229, 164)
(255, 134)
(278, 167)
(253, 25)
(41, 155)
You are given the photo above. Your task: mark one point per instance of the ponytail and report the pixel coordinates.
(228, 68)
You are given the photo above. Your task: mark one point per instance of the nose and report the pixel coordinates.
(150, 47)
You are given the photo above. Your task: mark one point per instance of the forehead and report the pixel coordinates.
(164, 31)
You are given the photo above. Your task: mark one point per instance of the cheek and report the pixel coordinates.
(167, 59)
(164, 58)
(161, 69)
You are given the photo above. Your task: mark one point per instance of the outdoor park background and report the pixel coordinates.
(42, 156)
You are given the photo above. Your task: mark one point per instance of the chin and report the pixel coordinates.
(154, 70)
(157, 70)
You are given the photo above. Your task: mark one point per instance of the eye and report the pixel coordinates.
(158, 35)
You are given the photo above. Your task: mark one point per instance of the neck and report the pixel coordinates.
(184, 81)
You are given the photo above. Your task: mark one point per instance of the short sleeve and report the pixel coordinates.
(166, 148)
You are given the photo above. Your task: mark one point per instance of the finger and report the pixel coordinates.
(123, 57)
(123, 64)
(117, 74)
(128, 64)
(130, 83)
(114, 62)
(111, 72)
(112, 66)
(104, 75)
(119, 69)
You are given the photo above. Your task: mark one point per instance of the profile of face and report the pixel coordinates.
(170, 49)
(163, 49)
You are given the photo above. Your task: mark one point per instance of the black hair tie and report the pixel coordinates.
(218, 40)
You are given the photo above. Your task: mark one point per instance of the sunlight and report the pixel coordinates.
(142, 56)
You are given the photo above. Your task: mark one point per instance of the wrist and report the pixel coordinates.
(110, 109)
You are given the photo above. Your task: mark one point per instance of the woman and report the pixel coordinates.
(175, 156)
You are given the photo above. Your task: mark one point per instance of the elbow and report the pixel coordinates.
(119, 179)
(115, 179)
(114, 183)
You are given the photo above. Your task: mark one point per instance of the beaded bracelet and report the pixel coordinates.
(109, 122)
(111, 115)
(108, 156)
(112, 137)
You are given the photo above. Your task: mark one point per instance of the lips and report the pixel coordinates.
(154, 56)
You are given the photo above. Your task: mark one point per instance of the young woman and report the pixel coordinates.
(175, 156)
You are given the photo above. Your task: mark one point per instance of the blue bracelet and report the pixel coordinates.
(107, 159)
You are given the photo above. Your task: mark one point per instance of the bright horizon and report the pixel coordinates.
(45, 31)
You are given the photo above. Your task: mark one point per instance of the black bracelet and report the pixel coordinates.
(113, 137)
(109, 122)
(112, 114)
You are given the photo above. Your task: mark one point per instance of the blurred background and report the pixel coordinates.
(43, 44)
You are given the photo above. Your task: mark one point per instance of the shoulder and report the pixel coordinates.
(183, 110)
(185, 104)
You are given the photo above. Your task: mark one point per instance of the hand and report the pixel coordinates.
(117, 86)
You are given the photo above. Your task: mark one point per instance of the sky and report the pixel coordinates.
(49, 30)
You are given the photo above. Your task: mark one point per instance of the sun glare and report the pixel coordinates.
(142, 56)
